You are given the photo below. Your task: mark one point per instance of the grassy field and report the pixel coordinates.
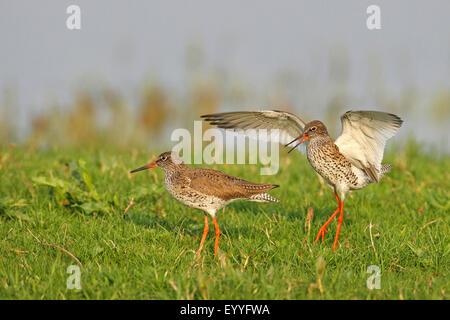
(76, 200)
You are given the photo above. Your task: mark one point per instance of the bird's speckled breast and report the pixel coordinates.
(325, 158)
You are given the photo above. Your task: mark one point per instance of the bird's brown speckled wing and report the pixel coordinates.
(363, 138)
(224, 186)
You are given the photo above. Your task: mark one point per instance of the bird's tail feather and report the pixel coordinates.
(263, 197)
(385, 168)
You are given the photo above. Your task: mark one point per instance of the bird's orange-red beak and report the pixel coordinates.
(148, 166)
(303, 138)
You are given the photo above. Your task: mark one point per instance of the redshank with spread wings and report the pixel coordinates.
(350, 162)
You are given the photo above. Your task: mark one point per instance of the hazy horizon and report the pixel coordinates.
(277, 52)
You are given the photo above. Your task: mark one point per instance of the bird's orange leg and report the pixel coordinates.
(216, 245)
(205, 232)
(341, 217)
(323, 229)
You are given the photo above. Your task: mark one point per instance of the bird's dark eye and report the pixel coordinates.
(164, 158)
(313, 129)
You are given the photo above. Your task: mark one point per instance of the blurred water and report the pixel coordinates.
(315, 57)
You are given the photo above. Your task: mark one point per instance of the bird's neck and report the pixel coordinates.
(318, 141)
(172, 168)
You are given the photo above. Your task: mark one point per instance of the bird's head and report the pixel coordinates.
(311, 131)
(314, 129)
(165, 160)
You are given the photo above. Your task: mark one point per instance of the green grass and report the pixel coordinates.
(75, 199)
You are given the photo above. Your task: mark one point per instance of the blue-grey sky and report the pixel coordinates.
(122, 43)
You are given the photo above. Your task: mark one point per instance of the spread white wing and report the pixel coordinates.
(288, 124)
(363, 138)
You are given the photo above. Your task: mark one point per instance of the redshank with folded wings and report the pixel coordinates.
(206, 189)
